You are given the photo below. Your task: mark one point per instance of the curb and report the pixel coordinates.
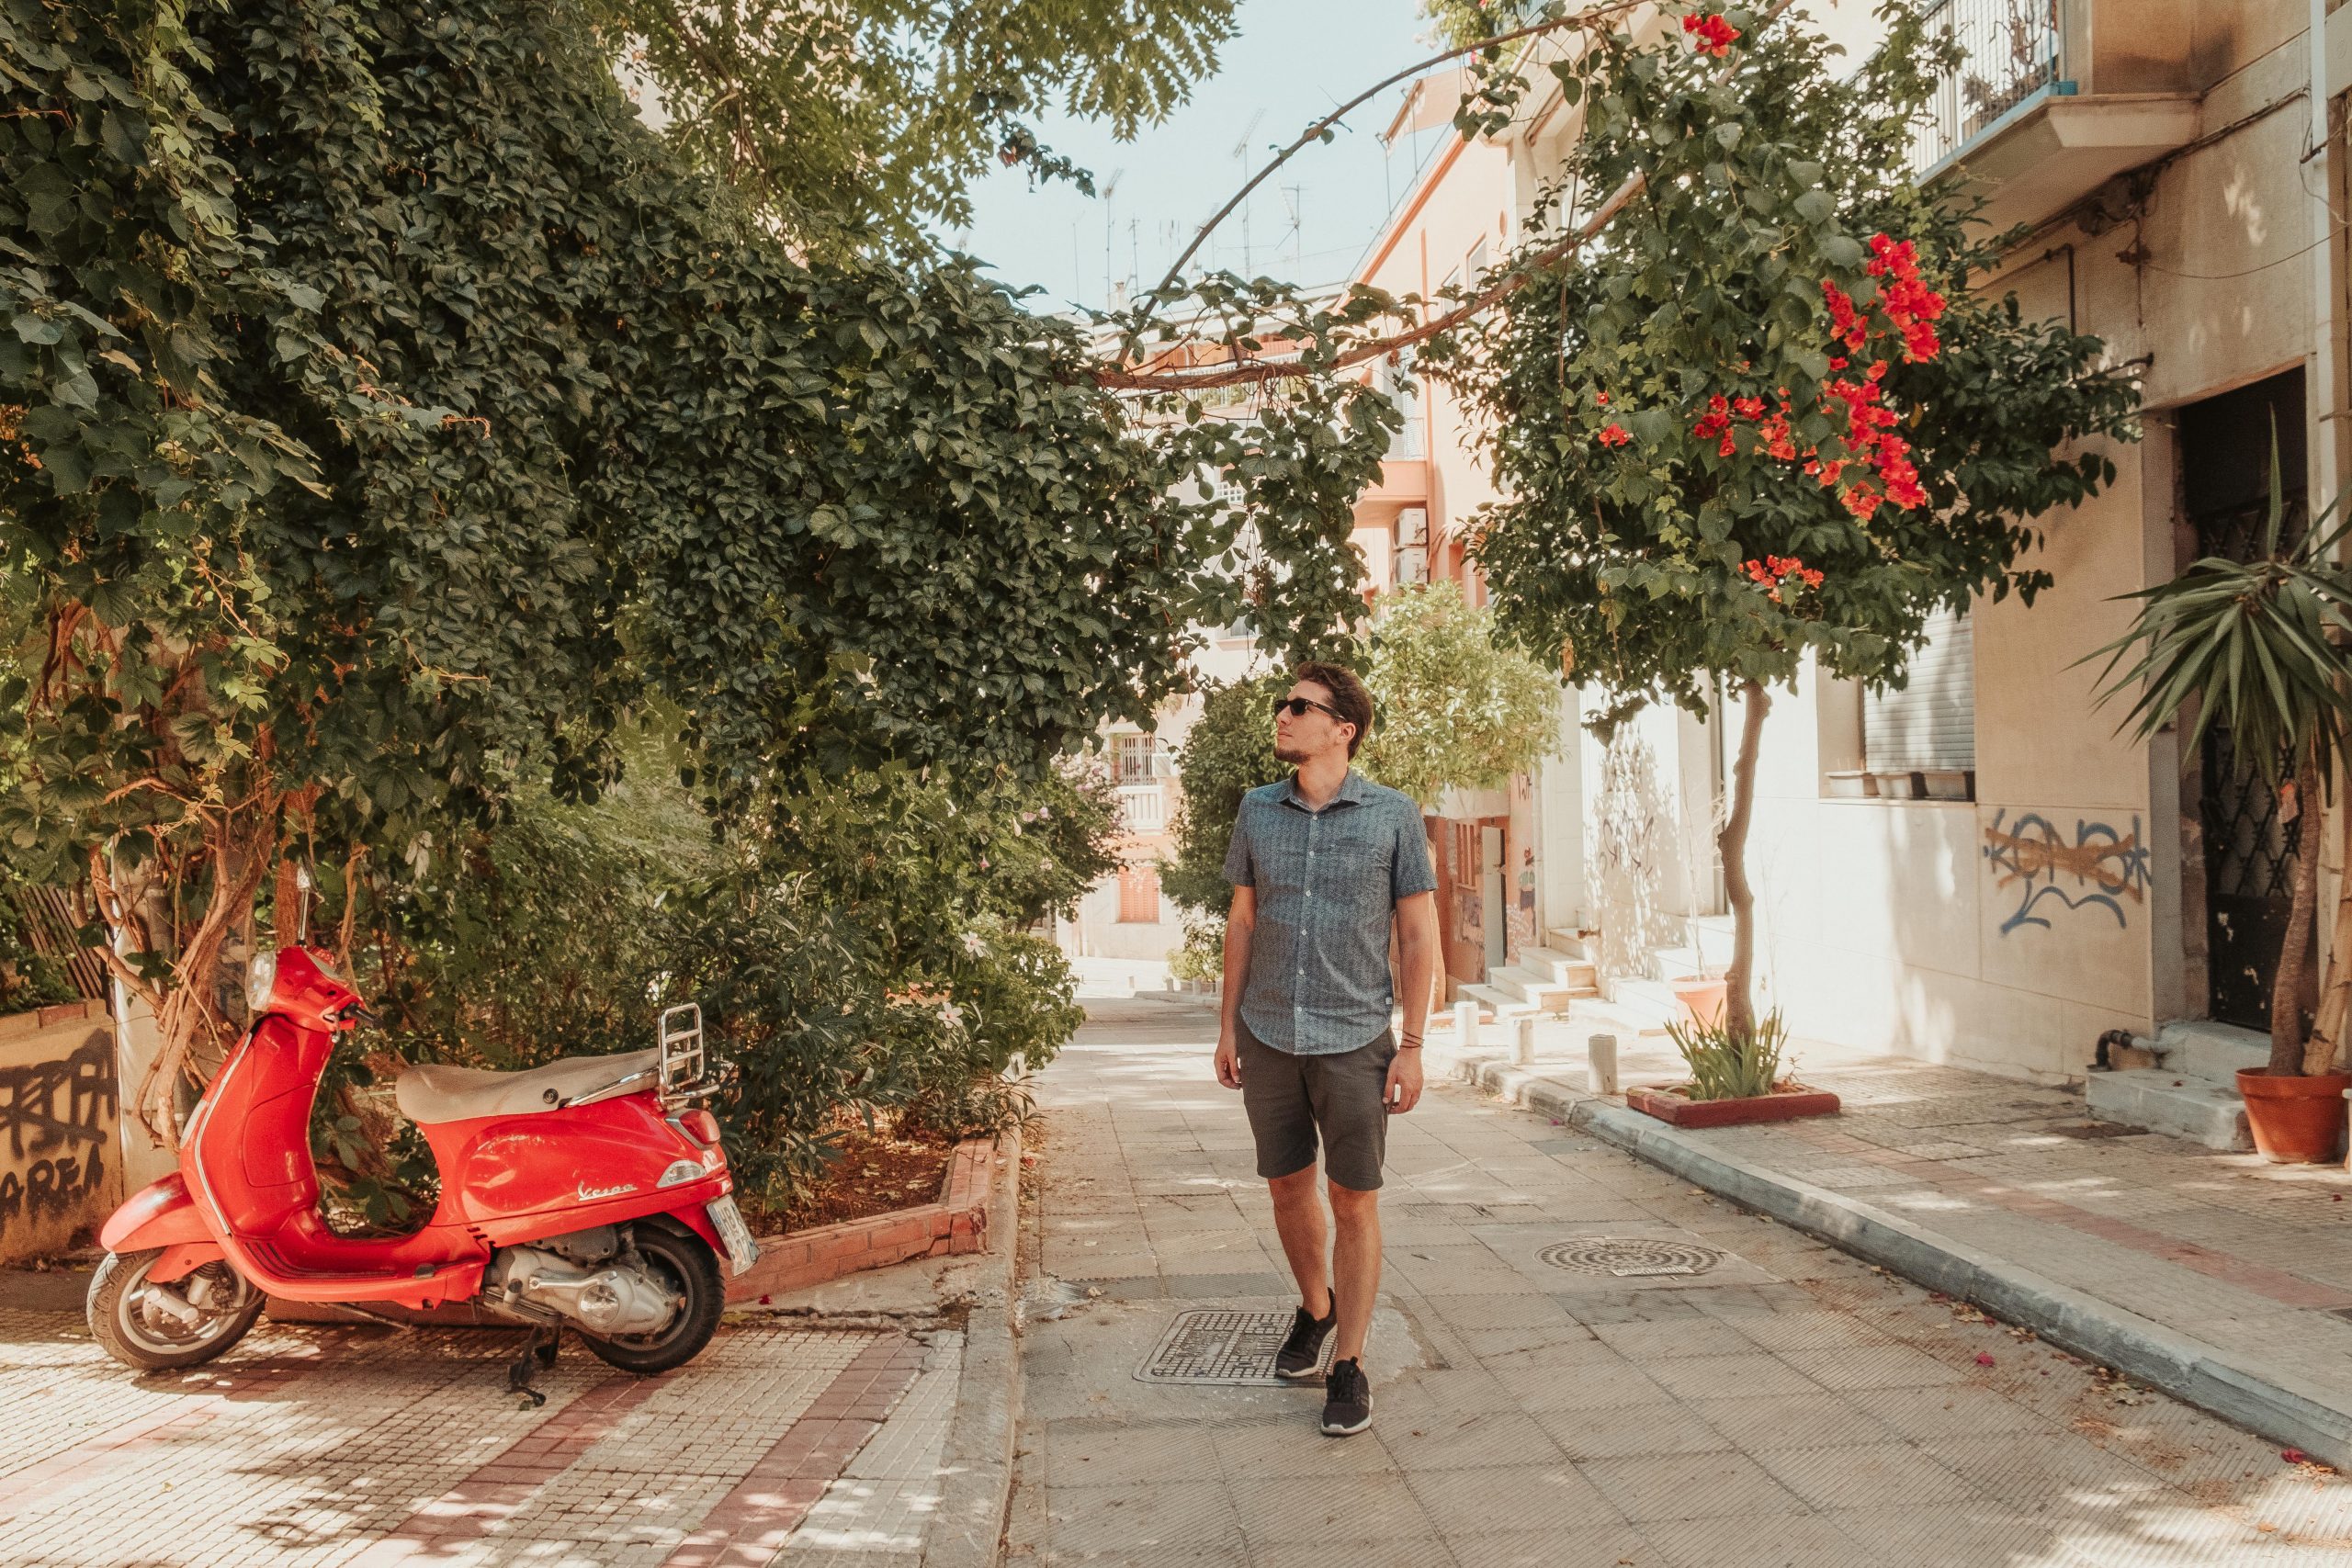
(2247, 1393)
(977, 1465)
(956, 1222)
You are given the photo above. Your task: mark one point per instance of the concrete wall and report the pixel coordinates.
(59, 1171)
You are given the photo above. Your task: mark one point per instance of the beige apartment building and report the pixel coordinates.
(1976, 869)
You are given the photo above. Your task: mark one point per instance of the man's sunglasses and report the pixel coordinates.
(1296, 707)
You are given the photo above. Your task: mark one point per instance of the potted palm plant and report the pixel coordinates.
(2259, 647)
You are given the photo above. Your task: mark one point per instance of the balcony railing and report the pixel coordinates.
(2010, 50)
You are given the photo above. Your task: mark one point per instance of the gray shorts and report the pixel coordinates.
(1342, 1097)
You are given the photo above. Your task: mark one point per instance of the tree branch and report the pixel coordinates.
(1581, 18)
(1518, 278)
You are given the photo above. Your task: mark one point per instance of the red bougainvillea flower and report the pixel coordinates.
(1600, 398)
(1614, 435)
(1876, 469)
(1778, 572)
(1710, 34)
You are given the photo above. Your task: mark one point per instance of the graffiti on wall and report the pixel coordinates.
(2100, 865)
(58, 1111)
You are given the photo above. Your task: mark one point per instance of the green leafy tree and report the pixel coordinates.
(1761, 417)
(1228, 752)
(394, 416)
(868, 120)
(1453, 709)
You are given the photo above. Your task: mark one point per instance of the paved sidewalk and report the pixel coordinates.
(366, 1446)
(862, 1423)
(2230, 1276)
(1788, 1406)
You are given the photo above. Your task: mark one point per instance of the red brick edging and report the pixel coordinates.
(957, 1222)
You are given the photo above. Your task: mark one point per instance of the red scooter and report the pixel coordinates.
(591, 1193)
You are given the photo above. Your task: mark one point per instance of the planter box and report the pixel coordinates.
(1677, 1110)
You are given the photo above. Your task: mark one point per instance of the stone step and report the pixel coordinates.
(2201, 1049)
(1651, 1002)
(1572, 945)
(1557, 967)
(1538, 991)
(2163, 1100)
(1495, 1004)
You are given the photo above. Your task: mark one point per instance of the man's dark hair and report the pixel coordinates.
(1347, 694)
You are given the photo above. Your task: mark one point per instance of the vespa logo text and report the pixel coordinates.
(590, 1194)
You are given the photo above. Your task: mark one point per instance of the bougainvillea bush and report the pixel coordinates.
(1762, 420)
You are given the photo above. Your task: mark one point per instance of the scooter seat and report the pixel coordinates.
(433, 1091)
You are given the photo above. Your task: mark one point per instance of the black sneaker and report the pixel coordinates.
(1304, 1348)
(1347, 1400)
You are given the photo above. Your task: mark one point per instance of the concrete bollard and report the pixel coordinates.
(1600, 1076)
(1465, 1024)
(1524, 1047)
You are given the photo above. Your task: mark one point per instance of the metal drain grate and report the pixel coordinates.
(1221, 1344)
(1630, 1258)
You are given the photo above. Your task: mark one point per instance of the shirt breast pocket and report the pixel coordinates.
(1362, 859)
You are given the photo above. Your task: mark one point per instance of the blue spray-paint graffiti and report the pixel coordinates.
(2103, 866)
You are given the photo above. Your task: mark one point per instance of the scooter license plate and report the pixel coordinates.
(741, 1251)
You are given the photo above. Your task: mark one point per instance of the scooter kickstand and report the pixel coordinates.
(538, 1351)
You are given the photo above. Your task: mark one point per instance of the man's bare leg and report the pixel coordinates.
(1355, 1264)
(1298, 1220)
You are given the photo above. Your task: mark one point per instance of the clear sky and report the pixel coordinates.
(1292, 63)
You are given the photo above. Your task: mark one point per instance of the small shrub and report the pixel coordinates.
(1724, 1066)
(1202, 955)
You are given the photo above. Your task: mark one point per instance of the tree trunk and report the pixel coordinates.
(2287, 983)
(1739, 1011)
(2336, 969)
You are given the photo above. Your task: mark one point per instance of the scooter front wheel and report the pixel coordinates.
(686, 1264)
(151, 1325)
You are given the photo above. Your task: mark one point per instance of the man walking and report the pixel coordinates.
(1321, 865)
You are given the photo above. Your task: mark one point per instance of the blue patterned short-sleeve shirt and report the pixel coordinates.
(1328, 884)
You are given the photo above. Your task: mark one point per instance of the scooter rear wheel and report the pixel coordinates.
(143, 1322)
(692, 1269)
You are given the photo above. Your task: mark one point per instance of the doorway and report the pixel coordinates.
(2249, 853)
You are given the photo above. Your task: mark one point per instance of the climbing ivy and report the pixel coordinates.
(393, 417)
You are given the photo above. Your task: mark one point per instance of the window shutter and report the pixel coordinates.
(1930, 725)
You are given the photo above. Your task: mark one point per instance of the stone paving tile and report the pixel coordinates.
(1664, 1488)
(1511, 1498)
(1779, 1541)
(1795, 1408)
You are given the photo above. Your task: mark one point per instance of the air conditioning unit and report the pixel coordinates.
(1413, 525)
(1413, 565)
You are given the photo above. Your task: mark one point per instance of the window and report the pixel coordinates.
(1138, 759)
(1139, 894)
(1408, 444)
(1143, 808)
(1920, 743)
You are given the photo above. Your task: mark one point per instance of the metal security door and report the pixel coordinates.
(2249, 853)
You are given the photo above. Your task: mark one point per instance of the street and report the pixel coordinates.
(1789, 1405)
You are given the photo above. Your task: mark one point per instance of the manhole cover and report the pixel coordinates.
(1221, 1344)
(1630, 1258)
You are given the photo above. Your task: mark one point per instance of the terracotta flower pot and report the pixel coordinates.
(1703, 1001)
(2296, 1121)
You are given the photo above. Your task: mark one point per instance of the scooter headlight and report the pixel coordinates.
(261, 979)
